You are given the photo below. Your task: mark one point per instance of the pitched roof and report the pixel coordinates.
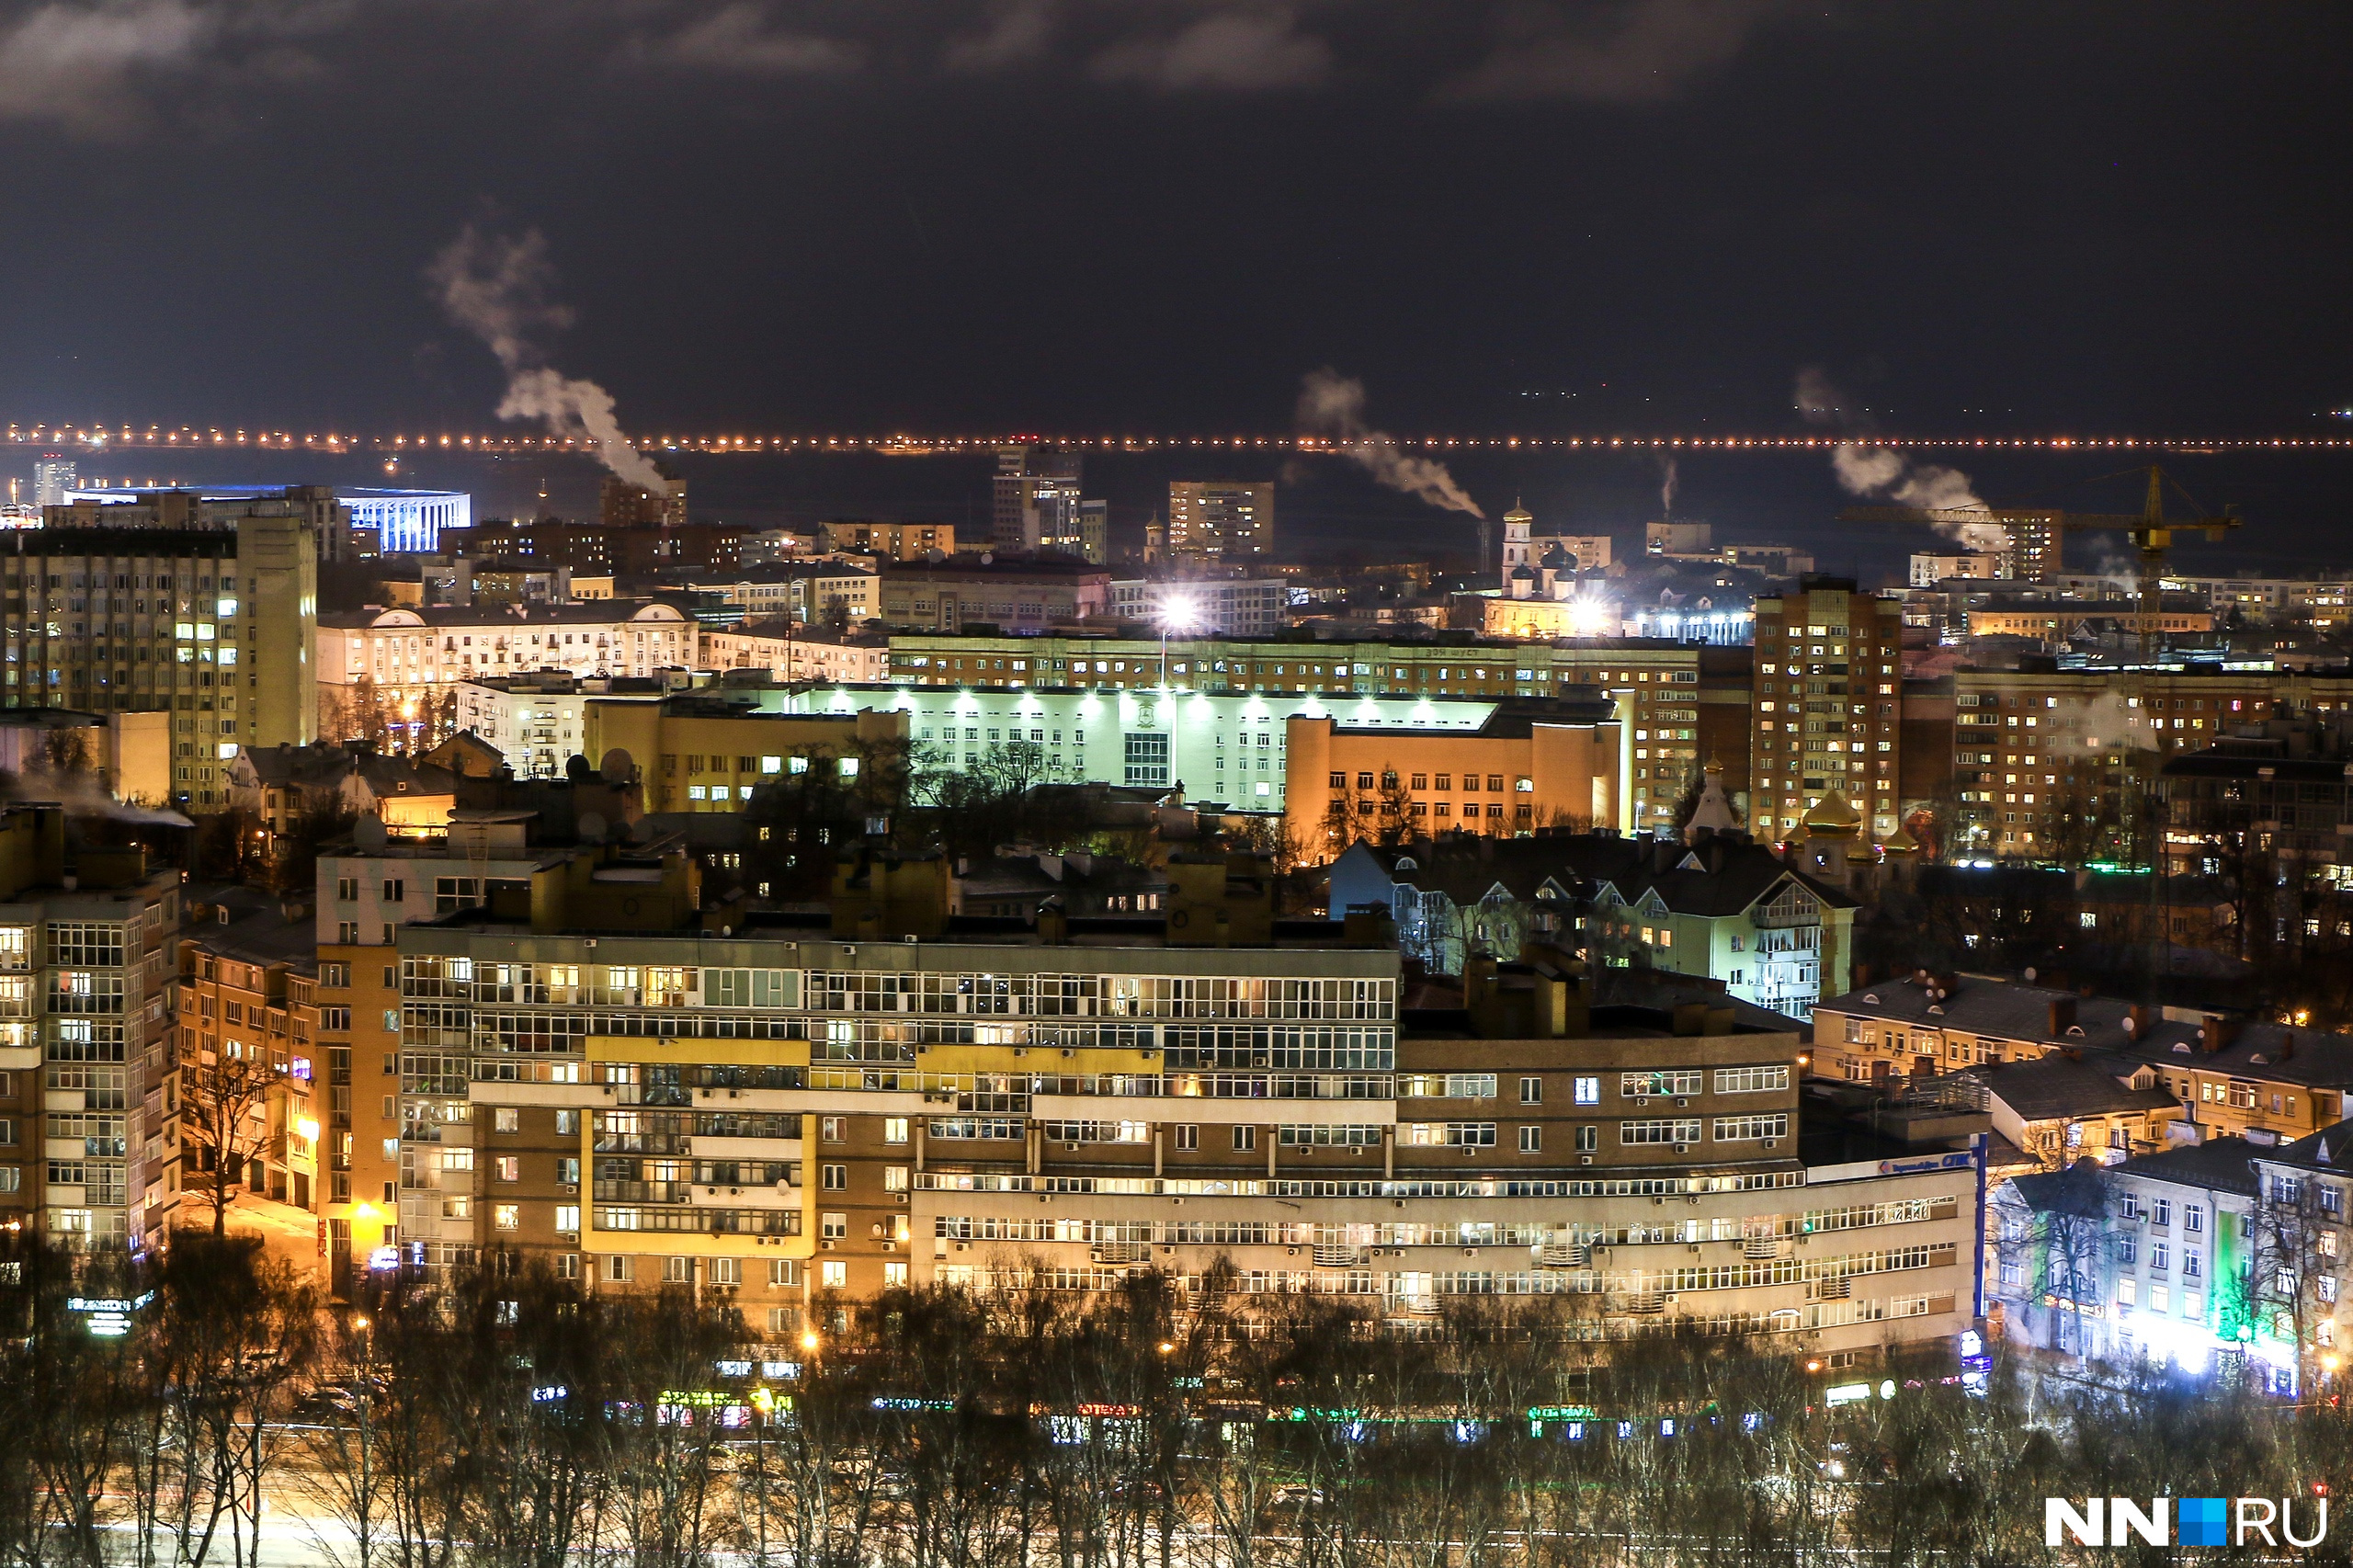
(2219, 1162)
(2057, 1088)
(2330, 1149)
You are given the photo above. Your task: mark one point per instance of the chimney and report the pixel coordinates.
(2213, 1033)
(2062, 1016)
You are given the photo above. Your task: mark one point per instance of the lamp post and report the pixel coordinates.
(1179, 615)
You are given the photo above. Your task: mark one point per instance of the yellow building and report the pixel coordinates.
(700, 756)
(1528, 766)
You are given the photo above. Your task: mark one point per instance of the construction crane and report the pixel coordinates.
(2149, 529)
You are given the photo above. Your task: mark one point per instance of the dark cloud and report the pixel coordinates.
(738, 40)
(1241, 50)
(1619, 51)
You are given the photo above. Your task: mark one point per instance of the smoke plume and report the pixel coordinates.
(1331, 405)
(497, 288)
(1669, 484)
(1879, 471)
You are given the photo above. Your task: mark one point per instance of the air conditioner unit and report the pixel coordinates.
(902, 1198)
(570, 1189)
(826, 1246)
(1584, 1159)
(1469, 1252)
(1290, 1252)
(1168, 1252)
(1772, 1142)
(1681, 1102)
(1020, 1051)
(1398, 1202)
(963, 1247)
(1068, 1052)
(1642, 1099)
(893, 1246)
(1070, 1148)
(1682, 1148)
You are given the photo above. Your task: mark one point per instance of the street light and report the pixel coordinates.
(1180, 614)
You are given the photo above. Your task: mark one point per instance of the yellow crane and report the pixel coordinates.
(2149, 529)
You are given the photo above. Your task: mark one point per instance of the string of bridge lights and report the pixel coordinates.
(101, 438)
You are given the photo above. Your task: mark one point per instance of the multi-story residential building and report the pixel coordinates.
(2281, 786)
(620, 505)
(248, 1010)
(700, 754)
(408, 655)
(212, 624)
(1026, 595)
(792, 652)
(1230, 606)
(1930, 568)
(537, 723)
(1828, 674)
(365, 895)
(88, 1075)
(1220, 520)
(810, 592)
(1550, 763)
(2041, 754)
(594, 551)
(897, 541)
(797, 1115)
(1033, 499)
(2053, 619)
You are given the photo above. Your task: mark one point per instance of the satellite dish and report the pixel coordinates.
(2030, 974)
(592, 827)
(617, 766)
(369, 833)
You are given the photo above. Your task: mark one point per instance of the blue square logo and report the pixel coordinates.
(2200, 1522)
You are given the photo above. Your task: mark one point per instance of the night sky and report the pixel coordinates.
(1107, 215)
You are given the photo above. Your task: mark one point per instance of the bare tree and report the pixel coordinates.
(224, 1121)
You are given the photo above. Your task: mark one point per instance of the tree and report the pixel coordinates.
(224, 1121)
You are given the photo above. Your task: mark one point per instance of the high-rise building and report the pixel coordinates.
(52, 477)
(212, 621)
(620, 505)
(1829, 671)
(88, 1072)
(1215, 519)
(1032, 491)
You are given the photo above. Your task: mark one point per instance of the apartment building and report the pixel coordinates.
(412, 655)
(897, 541)
(789, 651)
(1210, 519)
(248, 1013)
(701, 754)
(89, 1102)
(1530, 765)
(538, 722)
(1232, 606)
(809, 592)
(1828, 673)
(364, 896)
(1024, 595)
(797, 1114)
(212, 624)
(2039, 751)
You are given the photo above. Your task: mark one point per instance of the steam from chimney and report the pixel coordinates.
(1331, 405)
(1883, 472)
(497, 287)
(1876, 470)
(1667, 487)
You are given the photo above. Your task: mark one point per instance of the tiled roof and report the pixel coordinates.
(2057, 1088)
